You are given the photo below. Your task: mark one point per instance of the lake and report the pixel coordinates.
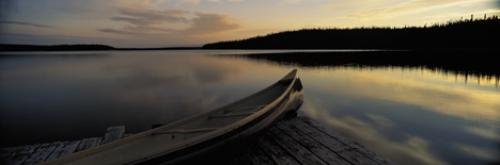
(409, 115)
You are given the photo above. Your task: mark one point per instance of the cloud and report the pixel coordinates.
(171, 3)
(26, 24)
(292, 1)
(210, 23)
(140, 17)
(196, 2)
(144, 21)
(411, 7)
(139, 21)
(115, 31)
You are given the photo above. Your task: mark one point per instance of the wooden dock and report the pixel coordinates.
(294, 141)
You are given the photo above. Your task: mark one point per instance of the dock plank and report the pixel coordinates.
(42, 153)
(67, 148)
(302, 154)
(318, 149)
(306, 129)
(258, 157)
(277, 154)
(113, 133)
(345, 151)
(88, 143)
(354, 146)
(56, 151)
(34, 154)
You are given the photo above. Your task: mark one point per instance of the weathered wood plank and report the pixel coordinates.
(355, 147)
(306, 129)
(88, 143)
(345, 151)
(302, 154)
(28, 149)
(277, 154)
(335, 135)
(357, 158)
(318, 149)
(18, 155)
(56, 151)
(113, 133)
(67, 148)
(258, 157)
(322, 127)
(372, 155)
(42, 153)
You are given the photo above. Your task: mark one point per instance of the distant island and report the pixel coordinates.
(79, 47)
(76, 47)
(469, 33)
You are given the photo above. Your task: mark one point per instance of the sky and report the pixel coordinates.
(166, 23)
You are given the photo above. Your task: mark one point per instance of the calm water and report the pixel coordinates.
(410, 116)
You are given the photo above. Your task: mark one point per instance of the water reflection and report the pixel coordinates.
(409, 115)
(406, 115)
(471, 65)
(93, 91)
(412, 149)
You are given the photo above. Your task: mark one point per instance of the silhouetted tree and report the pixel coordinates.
(453, 34)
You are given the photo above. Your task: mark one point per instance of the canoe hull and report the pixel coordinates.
(221, 147)
(196, 137)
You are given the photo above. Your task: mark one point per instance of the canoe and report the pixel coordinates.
(198, 135)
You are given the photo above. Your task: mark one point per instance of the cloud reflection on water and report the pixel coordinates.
(350, 100)
(479, 152)
(411, 88)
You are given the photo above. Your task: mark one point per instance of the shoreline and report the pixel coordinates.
(96, 47)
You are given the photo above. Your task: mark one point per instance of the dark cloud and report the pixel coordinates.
(132, 30)
(154, 22)
(115, 31)
(26, 24)
(148, 29)
(210, 23)
(147, 17)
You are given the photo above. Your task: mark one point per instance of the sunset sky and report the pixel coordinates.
(154, 23)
